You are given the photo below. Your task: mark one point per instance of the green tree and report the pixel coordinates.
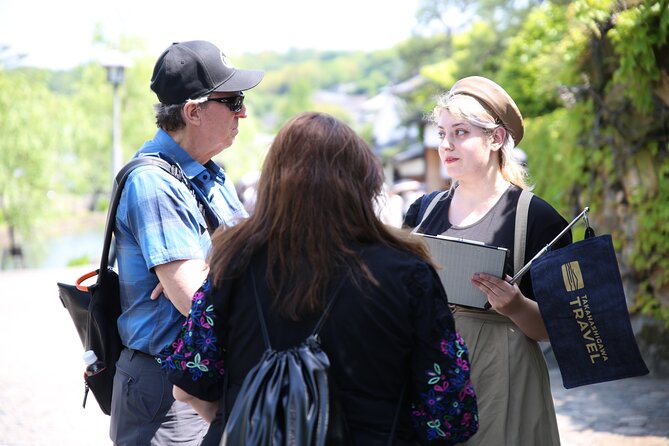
(532, 68)
(297, 99)
(28, 147)
(475, 52)
(455, 15)
(624, 66)
(87, 132)
(608, 134)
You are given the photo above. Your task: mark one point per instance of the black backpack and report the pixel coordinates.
(95, 309)
(285, 398)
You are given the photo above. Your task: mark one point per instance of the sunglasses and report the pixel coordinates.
(234, 103)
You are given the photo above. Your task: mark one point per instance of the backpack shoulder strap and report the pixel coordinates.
(520, 235)
(169, 166)
(173, 168)
(117, 188)
(326, 312)
(437, 198)
(261, 316)
(319, 324)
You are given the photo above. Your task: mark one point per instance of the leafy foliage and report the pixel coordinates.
(28, 149)
(640, 42)
(475, 52)
(533, 58)
(612, 129)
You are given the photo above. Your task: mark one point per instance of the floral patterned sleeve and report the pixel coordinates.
(194, 361)
(444, 409)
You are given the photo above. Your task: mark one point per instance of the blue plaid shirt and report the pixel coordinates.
(158, 222)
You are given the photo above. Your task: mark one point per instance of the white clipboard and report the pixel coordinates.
(458, 260)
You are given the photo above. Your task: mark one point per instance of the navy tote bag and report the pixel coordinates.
(582, 302)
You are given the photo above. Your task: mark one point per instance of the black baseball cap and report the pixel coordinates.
(191, 70)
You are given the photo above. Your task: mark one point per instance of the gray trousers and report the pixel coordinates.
(144, 412)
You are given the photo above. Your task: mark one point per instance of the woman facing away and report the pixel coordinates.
(315, 228)
(479, 125)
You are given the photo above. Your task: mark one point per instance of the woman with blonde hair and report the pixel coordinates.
(314, 230)
(479, 127)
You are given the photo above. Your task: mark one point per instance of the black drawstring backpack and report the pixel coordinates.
(285, 398)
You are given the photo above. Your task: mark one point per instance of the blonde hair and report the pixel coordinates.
(473, 112)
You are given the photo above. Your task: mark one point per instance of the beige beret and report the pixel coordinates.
(494, 98)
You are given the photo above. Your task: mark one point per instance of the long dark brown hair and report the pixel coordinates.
(315, 199)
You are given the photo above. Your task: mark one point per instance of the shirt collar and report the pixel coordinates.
(169, 147)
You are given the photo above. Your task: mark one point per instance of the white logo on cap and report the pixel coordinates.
(225, 61)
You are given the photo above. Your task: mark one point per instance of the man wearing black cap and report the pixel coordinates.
(162, 237)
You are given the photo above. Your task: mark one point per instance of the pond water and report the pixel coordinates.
(59, 251)
(65, 248)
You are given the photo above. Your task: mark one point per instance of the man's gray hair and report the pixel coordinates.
(168, 116)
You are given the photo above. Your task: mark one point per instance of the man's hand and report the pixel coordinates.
(157, 291)
(206, 409)
(180, 280)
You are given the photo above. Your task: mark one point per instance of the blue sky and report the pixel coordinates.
(58, 34)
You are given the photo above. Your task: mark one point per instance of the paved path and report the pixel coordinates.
(41, 378)
(41, 388)
(627, 412)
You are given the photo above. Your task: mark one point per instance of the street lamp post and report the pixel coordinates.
(116, 63)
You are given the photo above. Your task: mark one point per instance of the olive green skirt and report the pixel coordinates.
(511, 382)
